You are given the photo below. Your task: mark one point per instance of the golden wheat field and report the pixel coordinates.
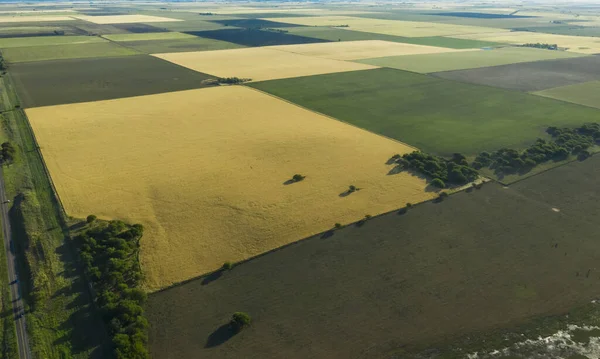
(258, 63)
(123, 19)
(356, 50)
(204, 172)
(386, 27)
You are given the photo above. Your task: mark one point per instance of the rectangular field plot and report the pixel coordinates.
(48, 41)
(354, 50)
(148, 36)
(207, 173)
(467, 60)
(33, 18)
(435, 115)
(587, 93)
(531, 76)
(254, 37)
(387, 27)
(258, 63)
(179, 45)
(123, 19)
(470, 264)
(81, 80)
(66, 51)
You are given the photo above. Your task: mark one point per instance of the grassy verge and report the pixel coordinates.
(8, 335)
(60, 321)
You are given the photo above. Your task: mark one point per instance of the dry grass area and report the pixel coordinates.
(356, 50)
(33, 18)
(387, 27)
(578, 44)
(205, 171)
(258, 64)
(123, 19)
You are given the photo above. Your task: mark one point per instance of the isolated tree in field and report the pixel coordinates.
(298, 177)
(91, 218)
(352, 188)
(239, 321)
(337, 225)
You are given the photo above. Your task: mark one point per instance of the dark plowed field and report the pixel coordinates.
(80, 80)
(531, 76)
(490, 258)
(253, 37)
(140, 28)
(253, 23)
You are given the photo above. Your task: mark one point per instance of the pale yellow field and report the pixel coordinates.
(578, 44)
(356, 50)
(204, 171)
(258, 63)
(123, 19)
(387, 27)
(34, 18)
(246, 10)
(27, 12)
(149, 36)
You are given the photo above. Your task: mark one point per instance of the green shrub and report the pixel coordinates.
(438, 183)
(337, 225)
(227, 266)
(240, 320)
(298, 178)
(91, 218)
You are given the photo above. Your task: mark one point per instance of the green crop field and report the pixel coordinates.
(68, 51)
(587, 93)
(467, 60)
(80, 80)
(48, 41)
(334, 34)
(435, 115)
(179, 45)
(148, 36)
(470, 264)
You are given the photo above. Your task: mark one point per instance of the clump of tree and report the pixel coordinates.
(7, 152)
(206, 13)
(541, 46)
(564, 142)
(298, 178)
(232, 80)
(281, 31)
(239, 321)
(109, 253)
(344, 25)
(455, 171)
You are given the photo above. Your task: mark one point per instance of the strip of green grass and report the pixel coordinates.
(438, 116)
(334, 34)
(8, 334)
(467, 60)
(61, 320)
(68, 51)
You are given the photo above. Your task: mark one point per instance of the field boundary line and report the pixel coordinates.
(333, 118)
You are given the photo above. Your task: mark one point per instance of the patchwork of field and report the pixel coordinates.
(435, 115)
(587, 93)
(490, 258)
(254, 37)
(337, 34)
(531, 76)
(205, 171)
(80, 80)
(387, 27)
(66, 51)
(355, 50)
(258, 63)
(580, 44)
(123, 19)
(467, 60)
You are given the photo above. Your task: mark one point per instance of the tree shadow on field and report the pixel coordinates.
(212, 277)
(220, 336)
(327, 234)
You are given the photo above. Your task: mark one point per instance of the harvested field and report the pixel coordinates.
(531, 76)
(435, 115)
(354, 50)
(587, 93)
(33, 18)
(205, 172)
(80, 80)
(467, 60)
(470, 264)
(579, 44)
(179, 45)
(258, 64)
(254, 37)
(148, 36)
(387, 27)
(67, 51)
(123, 19)
(48, 41)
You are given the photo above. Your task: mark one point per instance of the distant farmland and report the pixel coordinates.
(435, 115)
(400, 283)
(208, 171)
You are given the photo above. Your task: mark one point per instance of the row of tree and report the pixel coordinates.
(564, 142)
(542, 46)
(109, 253)
(443, 172)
